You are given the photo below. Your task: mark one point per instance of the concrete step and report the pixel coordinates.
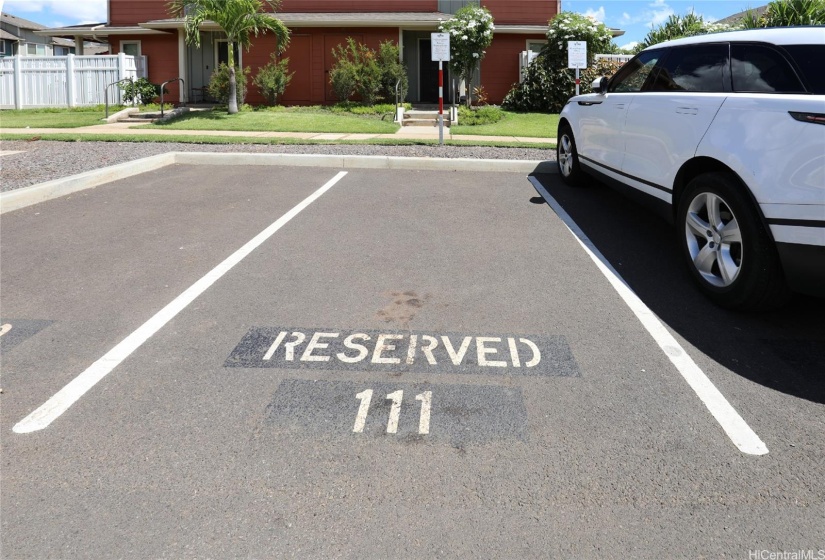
(419, 122)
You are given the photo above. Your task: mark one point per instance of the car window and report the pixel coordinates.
(762, 69)
(700, 68)
(633, 75)
(809, 59)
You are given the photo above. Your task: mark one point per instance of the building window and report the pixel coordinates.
(535, 45)
(35, 49)
(130, 48)
(2, 47)
(222, 53)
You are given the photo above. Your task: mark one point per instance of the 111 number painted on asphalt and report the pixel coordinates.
(396, 397)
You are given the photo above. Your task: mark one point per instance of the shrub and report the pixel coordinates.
(219, 83)
(392, 71)
(489, 114)
(273, 79)
(140, 91)
(548, 83)
(547, 89)
(359, 63)
(343, 79)
(480, 95)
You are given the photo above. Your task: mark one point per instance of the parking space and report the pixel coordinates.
(411, 363)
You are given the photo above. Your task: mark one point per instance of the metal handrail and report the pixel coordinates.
(182, 89)
(106, 92)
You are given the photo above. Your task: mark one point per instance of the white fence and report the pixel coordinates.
(64, 81)
(614, 57)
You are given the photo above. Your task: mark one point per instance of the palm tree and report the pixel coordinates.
(781, 13)
(239, 19)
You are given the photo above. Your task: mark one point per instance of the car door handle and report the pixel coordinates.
(687, 110)
(619, 106)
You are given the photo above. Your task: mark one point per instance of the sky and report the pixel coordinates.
(635, 17)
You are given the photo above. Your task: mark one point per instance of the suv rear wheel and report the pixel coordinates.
(727, 249)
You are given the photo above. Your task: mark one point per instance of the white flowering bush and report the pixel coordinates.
(471, 33)
(569, 26)
(548, 83)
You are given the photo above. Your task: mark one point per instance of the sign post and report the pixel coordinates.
(577, 58)
(440, 53)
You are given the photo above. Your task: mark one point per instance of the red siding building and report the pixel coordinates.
(145, 28)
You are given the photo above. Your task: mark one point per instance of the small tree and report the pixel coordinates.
(239, 19)
(471, 32)
(273, 79)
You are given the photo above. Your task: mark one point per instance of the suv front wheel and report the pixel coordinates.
(567, 157)
(727, 249)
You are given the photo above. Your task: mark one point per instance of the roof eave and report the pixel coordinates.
(96, 31)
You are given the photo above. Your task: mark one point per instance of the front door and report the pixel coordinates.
(428, 75)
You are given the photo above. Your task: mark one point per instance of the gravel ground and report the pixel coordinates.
(44, 161)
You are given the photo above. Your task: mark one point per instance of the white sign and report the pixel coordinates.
(576, 54)
(440, 47)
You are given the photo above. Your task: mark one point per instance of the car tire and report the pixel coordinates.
(726, 245)
(567, 157)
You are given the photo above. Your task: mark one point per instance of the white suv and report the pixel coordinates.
(725, 135)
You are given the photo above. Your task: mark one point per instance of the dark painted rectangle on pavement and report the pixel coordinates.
(15, 331)
(404, 351)
(458, 414)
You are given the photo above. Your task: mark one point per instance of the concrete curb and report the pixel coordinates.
(28, 196)
(122, 113)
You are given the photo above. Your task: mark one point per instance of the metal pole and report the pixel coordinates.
(577, 80)
(440, 103)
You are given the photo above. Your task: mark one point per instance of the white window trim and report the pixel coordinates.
(238, 49)
(2, 46)
(132, 42)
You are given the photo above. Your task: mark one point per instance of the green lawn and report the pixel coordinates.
(293, 119)
(53, 118)
(195, 139)
(525, 125)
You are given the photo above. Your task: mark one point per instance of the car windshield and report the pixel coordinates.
(809, 60)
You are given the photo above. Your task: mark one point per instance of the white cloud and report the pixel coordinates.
(596, 14)
(631, 45)
(659, 16)
(653, 15)
(74, 12)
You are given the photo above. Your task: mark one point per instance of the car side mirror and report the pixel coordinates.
(600, 85)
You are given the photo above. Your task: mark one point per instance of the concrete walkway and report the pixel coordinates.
(405, 133)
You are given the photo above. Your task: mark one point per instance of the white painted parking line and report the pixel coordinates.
(68, 395)
(734, 425)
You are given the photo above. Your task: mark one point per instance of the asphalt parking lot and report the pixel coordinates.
(201, 361)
